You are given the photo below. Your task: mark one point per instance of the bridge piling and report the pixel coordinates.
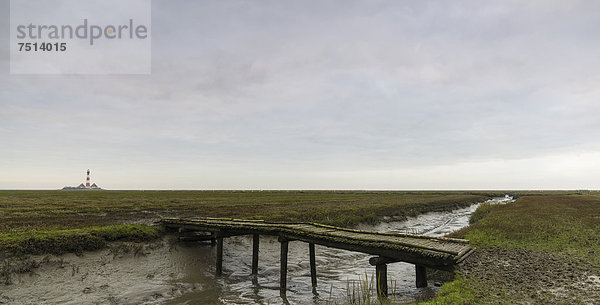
(219, 267)
(421, 272)
(313, 267)
(255, 243)
(283, 271)
(381, 280)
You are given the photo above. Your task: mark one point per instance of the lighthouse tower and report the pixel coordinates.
(87, 180)
(84, 187)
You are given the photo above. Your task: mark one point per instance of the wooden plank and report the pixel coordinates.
(195, 238)
(463, 257)
(374, 261)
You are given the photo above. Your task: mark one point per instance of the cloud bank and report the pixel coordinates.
(322, 95)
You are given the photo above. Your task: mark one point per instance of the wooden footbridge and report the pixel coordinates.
(423, 251)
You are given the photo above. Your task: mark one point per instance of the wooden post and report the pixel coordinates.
(421, 276)
(313, 267)
(255, 240)
(283, 273)
(381, 275)
(380, 264)
(219, 268)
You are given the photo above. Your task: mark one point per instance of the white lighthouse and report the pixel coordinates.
(87, 180)
(87, 186)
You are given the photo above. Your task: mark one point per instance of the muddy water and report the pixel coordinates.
(183, 273)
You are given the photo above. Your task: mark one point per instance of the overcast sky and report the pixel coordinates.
(323, 95)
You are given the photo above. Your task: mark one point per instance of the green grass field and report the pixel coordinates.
(37, 221)
(569, 224)
(539, 250)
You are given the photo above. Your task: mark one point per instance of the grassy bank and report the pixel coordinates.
(539, 250)
(568, 224)
(67, 221)
(73, 240)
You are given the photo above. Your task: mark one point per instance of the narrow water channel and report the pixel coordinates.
(183, 273)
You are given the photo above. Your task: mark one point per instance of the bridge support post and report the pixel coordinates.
(219, 268)
(313, 264)
(283, 271)
(380, 264)
(421, 276)
(255, 241)
(381, 276)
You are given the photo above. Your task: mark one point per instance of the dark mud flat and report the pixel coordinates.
(168, 272)
(125, 273)
(520, 276)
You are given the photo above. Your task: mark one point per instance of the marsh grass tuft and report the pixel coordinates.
(364, 292)
(456, 292)
(483, 210)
